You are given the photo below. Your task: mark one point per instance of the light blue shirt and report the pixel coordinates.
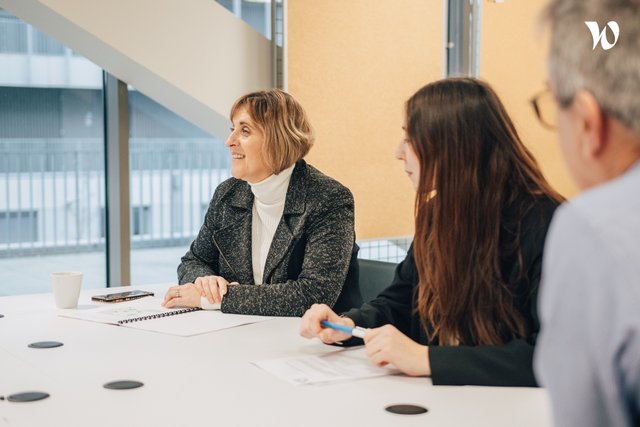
(588, 351)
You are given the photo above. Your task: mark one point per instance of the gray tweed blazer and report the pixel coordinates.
(312, 258)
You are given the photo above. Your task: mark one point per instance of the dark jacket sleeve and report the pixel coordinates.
(507, 365)
(202, 257)
(393, 305)
(329, 238)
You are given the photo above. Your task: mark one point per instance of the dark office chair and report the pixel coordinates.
(374, 277)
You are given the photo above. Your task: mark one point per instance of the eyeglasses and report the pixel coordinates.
(546, 108)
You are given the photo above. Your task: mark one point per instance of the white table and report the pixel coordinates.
(209, 380)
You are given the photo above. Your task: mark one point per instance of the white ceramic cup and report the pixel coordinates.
(66, 288)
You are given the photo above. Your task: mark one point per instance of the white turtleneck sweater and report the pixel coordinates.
(268, 205)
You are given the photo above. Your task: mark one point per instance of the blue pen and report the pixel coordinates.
(356, 332)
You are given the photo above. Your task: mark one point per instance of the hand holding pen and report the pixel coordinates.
(335, 329)
(384, 345)
(357, 332)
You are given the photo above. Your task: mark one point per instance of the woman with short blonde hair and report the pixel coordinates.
(279, 235)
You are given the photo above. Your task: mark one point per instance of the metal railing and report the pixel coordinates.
(52, 197)
(390, 249)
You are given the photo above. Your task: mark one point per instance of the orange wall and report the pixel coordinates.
(353, 64)
(512, 59)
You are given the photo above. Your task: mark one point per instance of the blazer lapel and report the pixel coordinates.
(291, 221)
(234, 240)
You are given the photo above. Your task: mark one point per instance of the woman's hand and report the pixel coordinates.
(387, 344)
(310, 326)
(213, 287)
(186, 295)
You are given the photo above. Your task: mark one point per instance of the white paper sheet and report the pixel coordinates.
(196, 322)
(341, 365)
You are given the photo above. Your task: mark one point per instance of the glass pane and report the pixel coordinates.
(392, 249)
(174, 170)
(52, 194)
(256, 13)
(13, 34)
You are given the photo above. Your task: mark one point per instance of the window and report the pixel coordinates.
(256, 13)
(174, 170)
(13, 34)
(51, 162)
(141, 220)
(463, 43)
(389, 249)
(18, 226)
(44, 45)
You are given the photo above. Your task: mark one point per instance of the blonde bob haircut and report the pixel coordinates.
(287, 132)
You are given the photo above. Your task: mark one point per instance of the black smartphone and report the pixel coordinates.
(122, 296)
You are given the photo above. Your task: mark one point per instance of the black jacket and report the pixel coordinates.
(312, 258)
(507, 365)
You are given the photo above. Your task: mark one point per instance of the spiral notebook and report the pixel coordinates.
(147, 314)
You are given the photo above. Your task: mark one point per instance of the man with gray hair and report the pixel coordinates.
(588, 351)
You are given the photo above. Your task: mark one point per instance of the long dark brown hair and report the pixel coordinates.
(482, 175)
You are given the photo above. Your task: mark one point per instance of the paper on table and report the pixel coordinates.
(342, 365)
(168, 321)
(196, 322)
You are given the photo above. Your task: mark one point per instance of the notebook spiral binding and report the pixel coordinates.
(159, 315)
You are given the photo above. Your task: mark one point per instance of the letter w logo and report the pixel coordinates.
(602, 36)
